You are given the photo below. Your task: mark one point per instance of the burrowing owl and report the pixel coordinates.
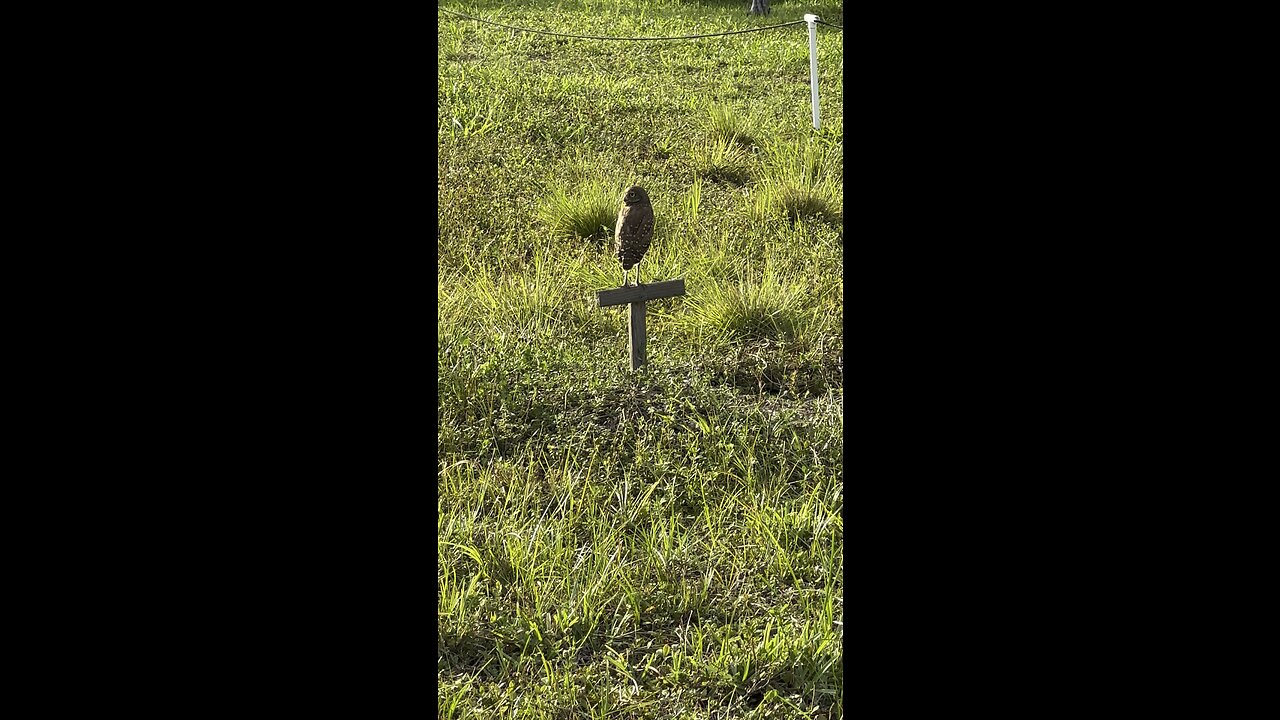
(635, 229)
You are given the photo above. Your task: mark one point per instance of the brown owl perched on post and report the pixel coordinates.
(635, 229)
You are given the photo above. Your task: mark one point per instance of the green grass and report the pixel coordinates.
(728, 125)
(802, 182)
(666, 542)
(588, 212)
(723, 159)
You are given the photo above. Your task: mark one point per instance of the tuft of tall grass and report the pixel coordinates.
(801, 182)
(770, 308)
(728, 125)
(588, 212)
(694, 200)
(724, 160)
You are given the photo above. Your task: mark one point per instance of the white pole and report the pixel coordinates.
(813, 66)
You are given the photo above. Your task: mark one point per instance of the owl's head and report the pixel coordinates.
(635, 194)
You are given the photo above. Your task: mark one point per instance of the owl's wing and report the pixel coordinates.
(647, 225)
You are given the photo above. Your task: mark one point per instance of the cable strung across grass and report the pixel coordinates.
(604, 37)
(828, 24)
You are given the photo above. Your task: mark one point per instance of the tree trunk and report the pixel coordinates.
(759, 7)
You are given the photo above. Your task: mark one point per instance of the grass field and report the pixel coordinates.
(666, 542)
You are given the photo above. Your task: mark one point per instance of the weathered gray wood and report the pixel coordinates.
(635, 326)
(640, 293)
(634, 297)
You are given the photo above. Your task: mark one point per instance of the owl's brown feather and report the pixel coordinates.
(635, 227)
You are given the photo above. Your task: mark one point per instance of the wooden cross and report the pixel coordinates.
(635, 296)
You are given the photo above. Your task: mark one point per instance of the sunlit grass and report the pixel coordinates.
(666, 542)
(724, 160)
(802, 180)
(726, 124)
(588, 212)
(752, 309)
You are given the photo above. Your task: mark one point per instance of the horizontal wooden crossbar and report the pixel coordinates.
(640, 293)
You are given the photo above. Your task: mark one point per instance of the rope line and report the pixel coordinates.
(604, 37)
(828, 24)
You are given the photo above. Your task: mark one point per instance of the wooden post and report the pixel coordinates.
(635, 329)
(634, 297)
